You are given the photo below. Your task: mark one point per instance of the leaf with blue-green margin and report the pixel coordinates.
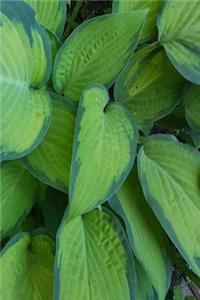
(18, 194)
(179, 32)
(104, 149)
(192, 106)
(145, 290)
(25, 65)
(50, 14)
(93, 259)
(147, 238)
(149, 86)
(169, 172)
(123, 6)
(50, 161)
(195, 136)
(96, 51)
(27, 265)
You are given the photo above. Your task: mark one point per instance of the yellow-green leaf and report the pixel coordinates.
(123, 6)
(50, 13)
(96, 52)
(92, 261)
(149, 86)
(50, 162)
(192, 106)
(18, 191)
(25, 65)
(103, 150)
(179, 33)
(147, 238)
(27, 263)
(170, 176)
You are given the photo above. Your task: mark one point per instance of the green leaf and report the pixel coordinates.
(146, 236)
(145, 290)
(18, 191)
(169, 173)
(123, 6)
(103, 150)
(195, 136)
(25, 67)
(27, 267)
(50, 162)
(50, 14)
(179, 33)
(149, 86)
(96, 52)
(192, 106)
(92, 261)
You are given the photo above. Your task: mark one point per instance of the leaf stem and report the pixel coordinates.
(72, 19)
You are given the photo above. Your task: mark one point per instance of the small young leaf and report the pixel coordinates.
(50, 162)
(96, 52)
(146, 236)
(149, 86)
(103, 150)
(18, 191)
(192, 106)
(25, 66)
(179, 33)
(92, 261)
(27, 264)
(50, 14)
(123, 6)
(170, 176)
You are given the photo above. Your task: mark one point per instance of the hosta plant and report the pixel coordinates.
(100, 138)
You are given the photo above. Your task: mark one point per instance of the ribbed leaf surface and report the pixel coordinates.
(51, 14)
(149, 86)
(91, 261)
(103, 151)
(50, 162)
(148, 240)
(179, 33)
(122, 6)
(27, 268)
(96, 52)
(25, 65)
(170, 177)
(18, 191)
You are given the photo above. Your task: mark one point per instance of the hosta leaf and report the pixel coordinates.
(149, 86)
(170, 175)
(122, 6)
(27, 267)
(103, 150)
(25, 65)
(195, 136)
(145, 290)
(91, 260)
(50, 162)
(96, 52)
(179, 33)
(192, 106)
(146, 236)
(50, 14)
(18, 191)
